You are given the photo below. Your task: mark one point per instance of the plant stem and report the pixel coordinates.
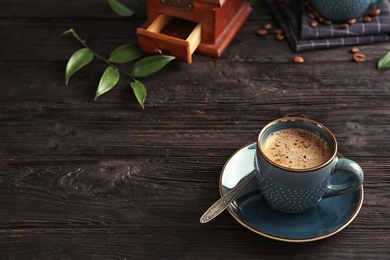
(83, 42)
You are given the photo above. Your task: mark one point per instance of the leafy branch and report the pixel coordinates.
(384, 62)
(143, 66)
(120, 8)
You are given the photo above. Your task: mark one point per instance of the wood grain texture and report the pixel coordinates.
(81, 179)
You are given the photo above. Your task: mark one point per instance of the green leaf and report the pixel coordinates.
(126, 53)
(384, 62)
(150, 65)
(78, 60)
(140, 92)
(108, 80)
(120, 8)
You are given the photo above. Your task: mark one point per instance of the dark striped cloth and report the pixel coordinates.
(294, 21)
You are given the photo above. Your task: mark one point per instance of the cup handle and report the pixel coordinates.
(351, 167)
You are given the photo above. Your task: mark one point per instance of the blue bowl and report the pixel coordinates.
(341, 10)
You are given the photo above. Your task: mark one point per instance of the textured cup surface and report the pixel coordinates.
(294, 189)
(341, 10)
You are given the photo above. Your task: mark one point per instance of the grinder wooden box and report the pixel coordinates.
(216, 22)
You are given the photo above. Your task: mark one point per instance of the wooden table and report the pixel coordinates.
(81, 179)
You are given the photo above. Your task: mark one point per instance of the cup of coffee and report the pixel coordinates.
(341, 10)
(295, 161)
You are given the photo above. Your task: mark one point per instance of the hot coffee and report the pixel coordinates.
(296, 160)
(296, 149)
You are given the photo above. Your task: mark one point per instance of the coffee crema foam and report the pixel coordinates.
(296, 149)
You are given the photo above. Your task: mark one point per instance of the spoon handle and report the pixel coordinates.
(221, 204)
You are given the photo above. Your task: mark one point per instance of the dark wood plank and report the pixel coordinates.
(72, 9)
(225, 110)
(81, 179)
(97, 207)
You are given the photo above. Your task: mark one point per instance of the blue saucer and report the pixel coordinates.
(250, 209)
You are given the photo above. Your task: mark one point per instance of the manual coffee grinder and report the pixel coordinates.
(180, 27)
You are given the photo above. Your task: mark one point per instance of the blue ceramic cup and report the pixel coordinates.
(341, 10)
(296, 190)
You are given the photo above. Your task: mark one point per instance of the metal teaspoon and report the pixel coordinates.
(221, 204)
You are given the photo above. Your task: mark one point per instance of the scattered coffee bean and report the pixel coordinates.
(280, 37)
(354, 49)
(351, 21)
(367, 19)
(278, 31)
(311, 15)
(374, 11)
(315, 15)
(313, 23)
(267, 26)
(298, 59)
(359, 57)
(262, 32)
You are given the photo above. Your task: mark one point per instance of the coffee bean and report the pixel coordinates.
(298, 59)
(367, 19)
(311, 15)
(262, 32)
(313, 23)
(354, 49)
(278, 31)
(359, 57)
(280, 37)
(327, 22)
(374, 11)
(267, 26)
(344, 26)
(351, 21)
(308, 6)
